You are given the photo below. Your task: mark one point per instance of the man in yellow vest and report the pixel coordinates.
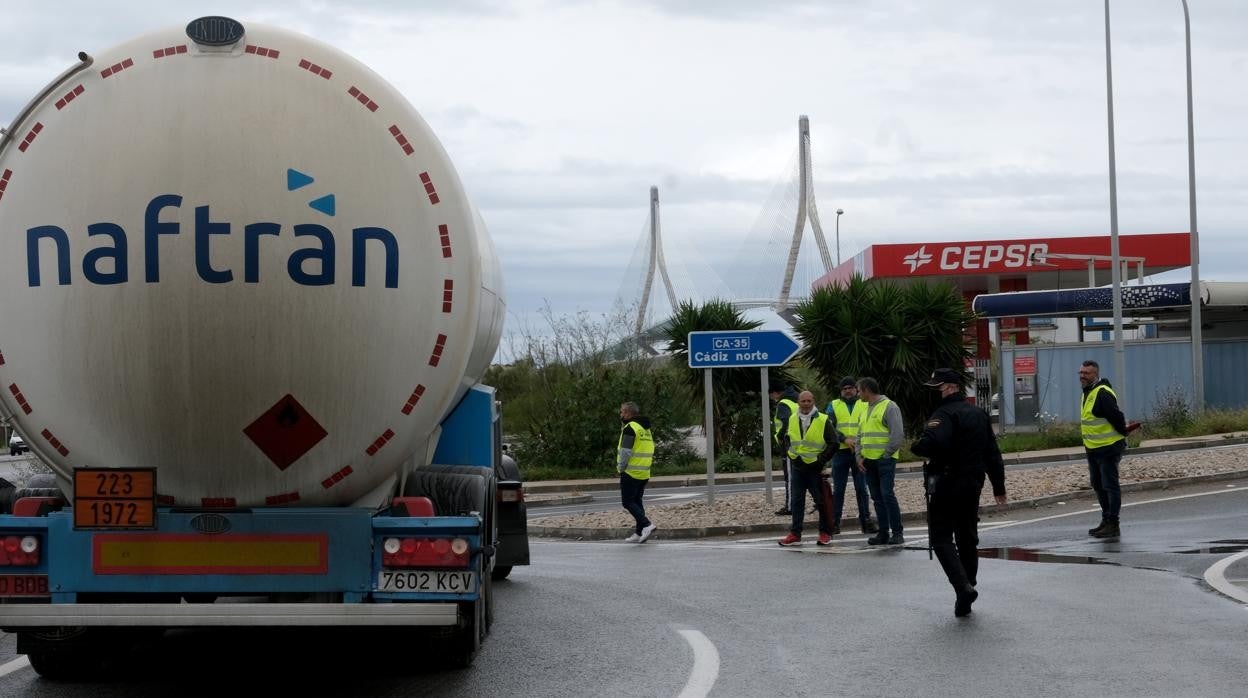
(635, 453)
(881, 434)
(810, 440)
(1104, 430)
(845, 413)
(785, 398)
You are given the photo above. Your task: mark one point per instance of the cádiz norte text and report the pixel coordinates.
(724, 356)
(309, 266)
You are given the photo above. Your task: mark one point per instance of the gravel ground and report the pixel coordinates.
(752, 508)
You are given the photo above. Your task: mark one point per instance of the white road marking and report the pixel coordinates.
(1124, 504)
(705, 664)
(1216, 577)
(16, 665)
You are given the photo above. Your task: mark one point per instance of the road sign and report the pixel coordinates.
(740, 349)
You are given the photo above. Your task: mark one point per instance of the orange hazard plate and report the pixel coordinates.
(115, 498)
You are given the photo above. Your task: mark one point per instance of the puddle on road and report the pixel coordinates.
(1218, 547)
(1028, 555)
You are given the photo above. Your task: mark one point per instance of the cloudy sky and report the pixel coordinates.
(931, 120)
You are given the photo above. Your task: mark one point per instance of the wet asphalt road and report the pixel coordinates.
(611, 618)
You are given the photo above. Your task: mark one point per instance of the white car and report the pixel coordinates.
(17, 445)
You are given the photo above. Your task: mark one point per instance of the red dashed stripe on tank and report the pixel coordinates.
(447, 290)
(401, 139)
(380, 442)
(116, 68)
(336, 477)
(444, 234)
(169, 51)
(56, 443)
(407, 409)
(287, 498)
(438, 348)
(362, 98)
(265, 52)
(315, 69)
(218, 502)
(30, 137)
(429, 189)
(69, 97)
(4, 181)
(21, 399)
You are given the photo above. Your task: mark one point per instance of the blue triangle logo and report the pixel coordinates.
(296, 179)
(325, 204)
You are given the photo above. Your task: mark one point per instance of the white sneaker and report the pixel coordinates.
(646, 532)
(633, 539)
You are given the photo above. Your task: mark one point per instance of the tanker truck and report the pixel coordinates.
(246, 306)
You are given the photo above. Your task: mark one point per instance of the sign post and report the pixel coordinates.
(738, 349)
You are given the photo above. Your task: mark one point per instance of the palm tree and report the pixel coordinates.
(892, 333)
(735, 391)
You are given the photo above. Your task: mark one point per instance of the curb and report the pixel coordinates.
(665, 481)
(556, 500)
(906, 517)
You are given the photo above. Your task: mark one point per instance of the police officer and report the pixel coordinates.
(960, 449)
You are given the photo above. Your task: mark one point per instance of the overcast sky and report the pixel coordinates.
(931, 120)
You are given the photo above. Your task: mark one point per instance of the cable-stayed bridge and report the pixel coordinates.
(772, 271)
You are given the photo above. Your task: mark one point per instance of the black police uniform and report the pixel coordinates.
(961, 448)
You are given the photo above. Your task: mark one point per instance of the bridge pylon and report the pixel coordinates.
(805, 208)
(656, 261)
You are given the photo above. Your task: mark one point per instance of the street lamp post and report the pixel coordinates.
(1198, 360)
(1120, 369)
(839, 211)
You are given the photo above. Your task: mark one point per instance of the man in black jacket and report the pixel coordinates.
(1104, 430)
(960, 449)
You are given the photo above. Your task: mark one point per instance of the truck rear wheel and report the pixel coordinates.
(68, 654)
(501, 571)
(466, 641)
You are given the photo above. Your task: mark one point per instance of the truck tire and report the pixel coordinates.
(67, 654)
(466, 642)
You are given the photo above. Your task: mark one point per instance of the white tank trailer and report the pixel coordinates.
(250, 266)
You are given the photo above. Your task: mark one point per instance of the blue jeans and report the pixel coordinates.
(880, 476)
(805, 479)
(1103, 474)
(843, 466)
(631, 491)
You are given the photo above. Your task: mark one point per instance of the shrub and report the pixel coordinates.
(1172, 414)
(730, 462)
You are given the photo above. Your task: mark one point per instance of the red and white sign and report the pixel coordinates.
(1024, 365)
(1004, 256)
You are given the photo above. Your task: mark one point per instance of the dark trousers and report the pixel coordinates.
(880, 476)
(807, 479)
(843, 467)
(785, 467)
(1103, 474)
(952, 528)
(631, 491)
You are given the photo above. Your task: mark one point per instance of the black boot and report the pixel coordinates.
(880, 538)
(1109, 530)
(783, 511)
(869, 526)
(1094, 531)
(966, 597)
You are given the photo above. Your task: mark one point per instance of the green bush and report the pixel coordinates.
(1172, 414)
(730, 462)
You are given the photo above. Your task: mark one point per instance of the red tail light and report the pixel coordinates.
(15, 552)
(425, 552)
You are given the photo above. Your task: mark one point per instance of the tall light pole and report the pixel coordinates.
(1198, 359)
(839, 211)
(1120, 370)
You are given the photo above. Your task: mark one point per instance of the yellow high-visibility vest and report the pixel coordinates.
(872, 433)
(776, 426)
(643, 452)
(847, 420)
(807, 446)
(1097, 431)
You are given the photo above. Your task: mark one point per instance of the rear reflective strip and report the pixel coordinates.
(170, 51)
(448, 289)
(362, 98)
(401, 139)
(437, 350)
(380, 442)
(287, 498)
(407, 409)
(336, 477)
(21, 399)
(55, 442)
(267, 53)
(445, 234)
(30, 137)
(429, 188)
(315, 69)
(116, 68)
(69, 97)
